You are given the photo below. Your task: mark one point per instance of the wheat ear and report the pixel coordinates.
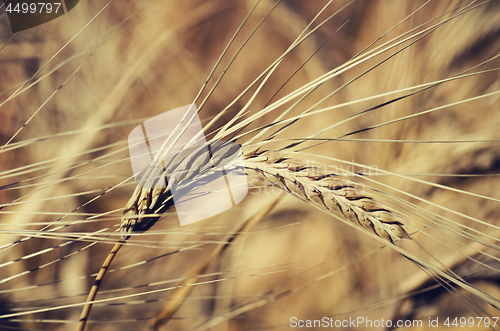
(325, 190)
(311, 183)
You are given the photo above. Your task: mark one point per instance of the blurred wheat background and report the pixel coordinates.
(73, 88)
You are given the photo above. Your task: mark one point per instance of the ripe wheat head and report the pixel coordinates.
(369, 132)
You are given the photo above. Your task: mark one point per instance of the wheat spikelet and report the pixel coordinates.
(327, 191)
(143, 209)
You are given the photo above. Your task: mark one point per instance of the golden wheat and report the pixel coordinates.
(407, 88)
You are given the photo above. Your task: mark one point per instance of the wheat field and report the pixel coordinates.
(370, 132)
